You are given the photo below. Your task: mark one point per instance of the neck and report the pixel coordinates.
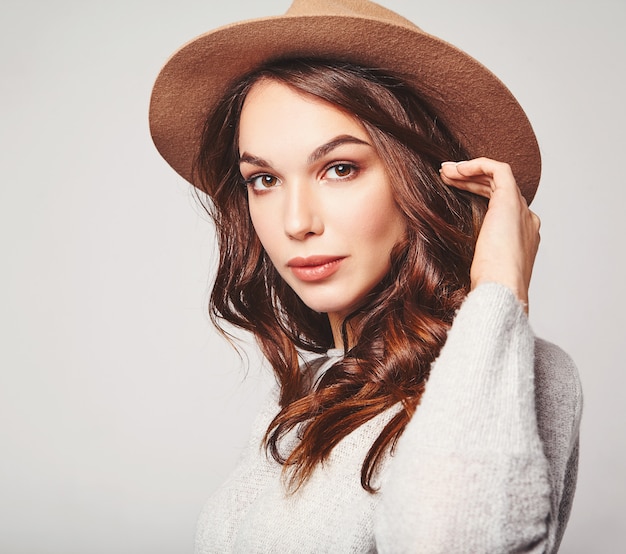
(336, 322)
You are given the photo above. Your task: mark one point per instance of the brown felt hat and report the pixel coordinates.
(476, 106)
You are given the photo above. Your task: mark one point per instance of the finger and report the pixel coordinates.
(498, 173)
(478, 179)
(453, 171)
(451, 176)
(475, 187)
(536, 220)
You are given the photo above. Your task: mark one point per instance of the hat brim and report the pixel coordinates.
(476, 106)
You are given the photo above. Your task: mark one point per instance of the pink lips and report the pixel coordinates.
(315, 268)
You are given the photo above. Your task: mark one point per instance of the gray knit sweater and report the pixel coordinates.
(486, 465)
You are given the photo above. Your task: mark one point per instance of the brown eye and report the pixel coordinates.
(268, 181)
(343, 170)
(260, 182)
(340, 171)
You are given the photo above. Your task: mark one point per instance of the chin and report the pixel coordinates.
(327, 305)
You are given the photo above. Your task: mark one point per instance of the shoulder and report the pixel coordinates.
(556, 373)
(558, 399)
(558, 391)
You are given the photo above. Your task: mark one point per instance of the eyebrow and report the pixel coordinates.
(317, 154)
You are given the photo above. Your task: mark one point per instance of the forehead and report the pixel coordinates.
(274, 112)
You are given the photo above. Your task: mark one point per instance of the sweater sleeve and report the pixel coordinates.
(470, 474)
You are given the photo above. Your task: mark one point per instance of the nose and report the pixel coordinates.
(302, 217)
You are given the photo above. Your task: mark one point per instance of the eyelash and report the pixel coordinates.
(253, 179)
(353, 170)
(250, 181)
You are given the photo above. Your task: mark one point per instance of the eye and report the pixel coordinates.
(340, 171)
(262, 182)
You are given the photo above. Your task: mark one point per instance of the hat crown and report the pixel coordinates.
(355, 8)
(480, 112)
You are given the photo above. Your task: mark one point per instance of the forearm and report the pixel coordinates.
(470, 474)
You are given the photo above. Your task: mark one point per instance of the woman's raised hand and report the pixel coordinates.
(509, 237)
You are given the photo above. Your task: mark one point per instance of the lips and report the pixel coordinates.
(315, 268)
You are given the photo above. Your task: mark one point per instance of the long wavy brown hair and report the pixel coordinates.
(399, 328)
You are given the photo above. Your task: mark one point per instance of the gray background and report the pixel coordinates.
(120, 408)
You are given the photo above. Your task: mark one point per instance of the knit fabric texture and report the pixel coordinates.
(486, 465)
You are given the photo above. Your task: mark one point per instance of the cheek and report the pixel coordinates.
(266, 227)
(375, 220)
(259, 223)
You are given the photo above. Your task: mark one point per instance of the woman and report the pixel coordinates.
(385, 281)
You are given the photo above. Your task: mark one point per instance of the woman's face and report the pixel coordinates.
(319, 196)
